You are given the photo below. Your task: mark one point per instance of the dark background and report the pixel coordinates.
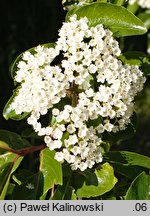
(24, 24)
(27, 23)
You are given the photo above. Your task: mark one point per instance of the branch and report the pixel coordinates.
(25, 151)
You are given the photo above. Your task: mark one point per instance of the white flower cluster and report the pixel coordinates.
(141, 3)
(99, 87)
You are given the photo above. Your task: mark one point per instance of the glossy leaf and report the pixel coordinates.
(10, 189)
(133, 7)
(92, 184)
(146, 66)
(140, 188)
(118, 2)
(9, 113)
(29, 133)
(65, 191)
(105, 146)
(50, 169)
(120, 189)
(145, 17)
(21, 176)
(71, 4)
(128, 158)
(137, 58)
(12, 140)
(130, 172)
(132, 58)
(8, 164)
(117, 18)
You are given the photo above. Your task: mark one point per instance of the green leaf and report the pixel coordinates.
(118, 2)
(50, 169)
(8, 164)
(145, 17)
(132, 58)
(65, 136)
(29, 133)
(31, 189)
(133, 7)
(21, 176)
(137, 58)
(10, 189)
(117, 18)
(105, 146)
(12, 140)
(71, 4)
(128, 158)
(65, 191)
(128, 171)
(120, 189)
(92, 184)
(146, 66)
(140, 188)
(9, 113)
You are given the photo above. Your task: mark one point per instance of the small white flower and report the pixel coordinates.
(66, 115)
(100, 128)
(57, 133)
(47, 140)
(73, 139)
(55, 112)
(59, 156)
(71, 129)
(108, 126)
(70, 158)
(84, 152)
(68, 108)
(82, 131)
(99, 158)
(76, 150)
(89, 92)
(55, 144)
(74, 117)
(30, 186)
(83, 166)
(42, 131)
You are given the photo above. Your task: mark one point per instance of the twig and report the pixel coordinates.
(25, 151)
